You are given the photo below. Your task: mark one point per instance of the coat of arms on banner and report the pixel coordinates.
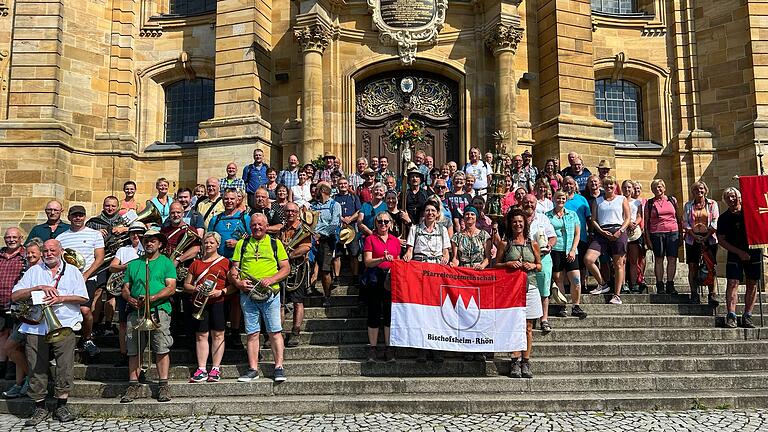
(460, 306)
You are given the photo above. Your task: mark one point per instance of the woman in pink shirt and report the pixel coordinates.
(379, 250)
(662, 232)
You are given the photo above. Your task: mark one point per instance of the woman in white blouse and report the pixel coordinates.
(302, 193)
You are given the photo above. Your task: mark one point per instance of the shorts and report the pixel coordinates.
(6, 321)
(254, 312)
(582, 248)
(693, 252)
(92, 285)
(736, 268)
(560, 262)
(121, 306)
(605, 246)
(665, 244)
(17, 336)
(324, 255)
(160, 340)
(213, 318)
(544, 277)
(300, 278)
(351, 249)
(295, 296)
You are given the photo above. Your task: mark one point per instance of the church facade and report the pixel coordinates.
(97, 92)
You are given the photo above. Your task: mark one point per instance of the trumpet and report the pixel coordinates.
(203, 293)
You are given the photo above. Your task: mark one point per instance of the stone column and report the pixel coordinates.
(503, 40)
(313, 39)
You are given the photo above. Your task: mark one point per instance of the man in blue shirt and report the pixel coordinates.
(350, 208)
(232, 224)
(328, 220)
(255, 175)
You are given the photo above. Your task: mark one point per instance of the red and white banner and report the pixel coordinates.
(457, 309)
(754, 202)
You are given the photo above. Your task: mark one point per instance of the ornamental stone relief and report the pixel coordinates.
(408, 23)
(387, 96)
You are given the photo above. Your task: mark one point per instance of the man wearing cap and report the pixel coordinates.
(328, 221)
(356, 179)
(64, 290)
(119, 263)
(152, 278)
(254, 176)
(90, 244)
(480, 170)
(603, 170)
(297, 257)
(415, 196)
(325, 173)
(53, 225)
(363, 191)
(530, 171)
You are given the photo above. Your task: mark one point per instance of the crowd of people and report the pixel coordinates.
(239, 253)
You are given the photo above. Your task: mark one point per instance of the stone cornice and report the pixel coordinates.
(503, 38)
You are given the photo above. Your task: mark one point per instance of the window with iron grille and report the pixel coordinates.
(618, 7)
(620, 103)
(187, 103)
(191, 7)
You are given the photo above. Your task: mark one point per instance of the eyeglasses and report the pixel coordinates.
(291, 211)
(383, 221)
(53, 210)
(440, 187)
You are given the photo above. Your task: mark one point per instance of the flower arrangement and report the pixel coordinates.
(406, 133)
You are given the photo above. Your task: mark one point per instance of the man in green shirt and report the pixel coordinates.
(157, 271)
(260, 263)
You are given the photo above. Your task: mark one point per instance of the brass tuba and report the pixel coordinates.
(187, 240)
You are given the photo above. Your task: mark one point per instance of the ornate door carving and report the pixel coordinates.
(431, 99)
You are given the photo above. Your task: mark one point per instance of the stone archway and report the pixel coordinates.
(384, 99)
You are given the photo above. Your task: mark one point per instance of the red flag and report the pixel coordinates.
(754, 202)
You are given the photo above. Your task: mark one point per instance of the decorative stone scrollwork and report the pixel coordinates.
(408, 34)
(504, 37)
(314, 37)
(384, 97)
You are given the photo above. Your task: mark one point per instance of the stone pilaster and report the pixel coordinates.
(313, 36)
(502, 39)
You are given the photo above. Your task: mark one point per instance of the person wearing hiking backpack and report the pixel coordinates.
(662, 232)
(700, 216)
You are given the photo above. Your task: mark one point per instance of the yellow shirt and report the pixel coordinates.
(258, 260)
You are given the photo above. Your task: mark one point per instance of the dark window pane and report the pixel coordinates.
(187, 103)
(191, 7)
(614, 6)
(620, 103)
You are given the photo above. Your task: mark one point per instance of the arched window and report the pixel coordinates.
(619, 7)
(191, 7)
(620, 103)
(187, 103)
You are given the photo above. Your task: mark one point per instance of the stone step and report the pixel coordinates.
(426, 403)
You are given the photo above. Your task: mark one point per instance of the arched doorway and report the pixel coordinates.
(384, 99)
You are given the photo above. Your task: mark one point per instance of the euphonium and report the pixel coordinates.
(203, 293)
(115, 283)
(56, 331)
(74, 258)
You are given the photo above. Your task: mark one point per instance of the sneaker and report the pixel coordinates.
(280, 374)
(199, 376)
(746, 321)
(25, 387)
(13, 392)
(514, 369)
(371, 354)
(634, 289)
(670, 288)
(625, 288)
(577, 311)
(730, 321)
(63, 414)
(545, 327)
(214, 375)
(131, 393)
(292, 341)
(712, 301)
(642, 287)
(615, 300)
(249, 375)
(601, 289)
(91, 348)
(164, 393)
(389, 355)
(525, 369)
(561, 312)
(38, 416)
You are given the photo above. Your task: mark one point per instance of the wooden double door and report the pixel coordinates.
(383, 100)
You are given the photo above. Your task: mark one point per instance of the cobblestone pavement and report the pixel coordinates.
(745, 421)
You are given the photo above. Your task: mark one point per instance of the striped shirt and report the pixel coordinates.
(85, 241)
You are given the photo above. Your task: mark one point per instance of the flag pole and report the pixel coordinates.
(761, 285)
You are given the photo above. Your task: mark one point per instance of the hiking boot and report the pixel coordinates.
(63, 414)
(249, 375)
(38, 416)
(131, 393)
(389, 354)
(577, 311)
(13, 392)
(199, 376)
(280, 374)
(746, 321)
(525, 369)
(164, 393)
(730, 321)
(670, 288)
(561, 312)
(514, 369)
(695, 297)
(292, 340)
(371, 353)
(659, 287)
(214, 375)
(712, 301)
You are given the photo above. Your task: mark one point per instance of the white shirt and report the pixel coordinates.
(128, 253)
(85, 241)
(302, 195)
(544, 206)
(480, 171)
(429, 244)
(634, 206)
(70, 283)
(610, 212)
(541, 229)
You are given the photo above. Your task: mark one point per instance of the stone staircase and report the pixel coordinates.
(652, 352)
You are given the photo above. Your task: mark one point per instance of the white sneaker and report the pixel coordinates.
(616, 300)
(601, 289)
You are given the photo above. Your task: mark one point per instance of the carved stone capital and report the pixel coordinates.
(313, 37)
(503, 37)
